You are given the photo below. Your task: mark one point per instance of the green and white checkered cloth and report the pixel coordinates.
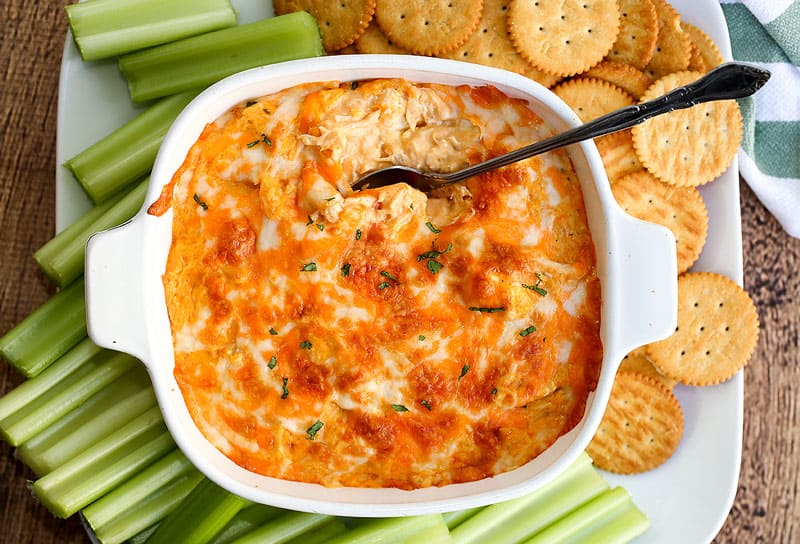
(767, 33)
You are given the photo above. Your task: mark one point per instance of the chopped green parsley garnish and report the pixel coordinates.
(434, 253)
(535, 287)
(383, 285)
(421, 337)
(464, 370)
(432, 228)
(273, 362)
(345, 270)
(272, 331)
(399, 408)
(320, 226)
(309, 267)
(526, 332)
(426, 404)
(264, 138)
(285, 388)
(200, 201)
(386, 274)
(434, 266)
(487, 310)
(310, 221)
(305, 344)
(358, 234)
(354, 85)
(314, 429)
(494, 391)
(250, 103)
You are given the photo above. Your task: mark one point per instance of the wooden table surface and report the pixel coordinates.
(766, 508)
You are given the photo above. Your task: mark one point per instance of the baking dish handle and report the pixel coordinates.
(115, 308)
(646, 284)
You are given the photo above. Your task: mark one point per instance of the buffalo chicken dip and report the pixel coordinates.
(380, 338)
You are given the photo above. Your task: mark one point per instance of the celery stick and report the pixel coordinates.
(286, 526)
(48, 333)
(61, 259)
(433, 534)
(128, 153)
(454, 519)
(105, 465)
(150, 511)
(623, 528)
(581, 523)
(246, 520)
(107, 410)
(199, 61)
(142, 536)
(322, 534)
(107, 28)
(387, 530)
(513, 521)
(29, 390)
(203, 514)
(95, 374)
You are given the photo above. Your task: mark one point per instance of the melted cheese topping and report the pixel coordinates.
(379, 338)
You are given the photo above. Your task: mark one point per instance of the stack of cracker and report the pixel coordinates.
(598, 56)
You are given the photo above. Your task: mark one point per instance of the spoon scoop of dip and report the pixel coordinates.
(727, 81)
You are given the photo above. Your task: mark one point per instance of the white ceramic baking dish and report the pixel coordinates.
(126, 309)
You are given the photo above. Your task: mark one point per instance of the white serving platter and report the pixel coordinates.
(688, 498)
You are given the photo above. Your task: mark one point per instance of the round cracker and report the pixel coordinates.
(641, 428)
(680, 209)
(618, 155)
(590, 98)
(626, 77)
(638, 32)
(491, 45)
(696, 62)
(673, 45)
(340, 23)
(705, 46)
(638, 362)
(716, 335)
(692, 146)
(563, 37)
(428, 27)
(375, 41)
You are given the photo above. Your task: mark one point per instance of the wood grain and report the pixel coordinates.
(766, 507)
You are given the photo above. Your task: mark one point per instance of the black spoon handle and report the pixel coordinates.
(727, 81)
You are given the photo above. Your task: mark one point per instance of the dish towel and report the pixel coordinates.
(767, 33)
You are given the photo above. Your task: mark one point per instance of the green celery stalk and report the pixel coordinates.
(142, 536)
(454, 519)
(387, 530)
(48, 333)
(128, 153)
(95, 374)
(580, 525)
(131, 507)
(322, 534)
(107, 28)
(246, 520)
(199, 61)
(201, 515)
(61, 259)
(286, 526)
(105, 465)
(436, 533)
(104, 412)
(515, 520)
(29, 390)
(621, 529)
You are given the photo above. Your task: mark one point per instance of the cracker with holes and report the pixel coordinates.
(374, 41)
(705, 46)
(491, 45)
(590, 98)
(696, 61)
(641, 428)
(428, 27)
(563, 37)
(692, 146)
(680, 209)
(638, 31)
(673, 45)
(638, 362)
(618, 155)
(716, 335)
(340, 22)
(626, 77)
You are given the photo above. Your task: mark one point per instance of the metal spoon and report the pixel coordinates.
(727, 81)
